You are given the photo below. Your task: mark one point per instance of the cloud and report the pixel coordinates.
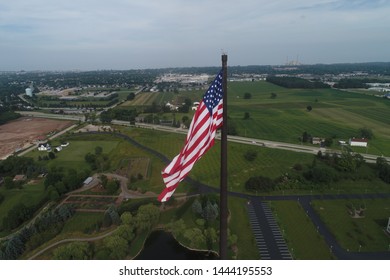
(130, 34)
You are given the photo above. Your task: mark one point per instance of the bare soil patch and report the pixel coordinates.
(21, 133)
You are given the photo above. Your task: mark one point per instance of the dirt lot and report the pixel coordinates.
(25, 131)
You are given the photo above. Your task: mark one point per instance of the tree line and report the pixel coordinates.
(295, 82)
(324, 170)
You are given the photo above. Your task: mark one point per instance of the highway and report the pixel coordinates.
(253, 141)
(236, 139)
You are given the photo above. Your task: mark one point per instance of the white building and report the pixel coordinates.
(29, 92)
(358, 142)
(44, 147)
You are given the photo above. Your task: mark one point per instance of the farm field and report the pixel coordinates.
(20, 133)
(335, 114)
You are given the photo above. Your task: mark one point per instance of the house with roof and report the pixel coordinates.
(19, 178)
(358, 142)
(44, 147)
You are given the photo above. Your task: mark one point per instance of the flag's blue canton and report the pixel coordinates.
(214, 94)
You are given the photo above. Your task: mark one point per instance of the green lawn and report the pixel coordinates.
(364, 233)
(29, 195)
(269, 162)
(73, 156)
(302, 238)
(240, 226)
(81, 222)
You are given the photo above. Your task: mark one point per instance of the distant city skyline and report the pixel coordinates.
(120, 34)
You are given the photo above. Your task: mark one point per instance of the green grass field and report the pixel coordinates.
(300, 234)
(73, 156)
(29, 195)
(81, 222)
(366, 233)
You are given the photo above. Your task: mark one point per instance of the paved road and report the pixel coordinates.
(266, 231)
(236, 139)
(253, 141)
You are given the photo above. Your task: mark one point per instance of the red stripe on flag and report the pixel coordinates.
(199, 140)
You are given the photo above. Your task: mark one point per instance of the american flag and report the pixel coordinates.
(200, 138)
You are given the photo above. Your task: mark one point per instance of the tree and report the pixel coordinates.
(52, 155)
(126, 232)
(328, 142)
(211, 236)
(127, 218)
(309, 108)
(98, 150)
(246, 116)
(118, 247)
(8, 183)
(306, 137)
(273, 95)
(112, 186)
(259, 183)
(178, 228)
(130, 96)
(14, 248)
(195, 237)
(107, 221)
(365, 132)
(383, 169)
(247, 95)
(250, 155)
(197, 207)
(147, 216)
(73, 251)
(210, 211)
(321, 174)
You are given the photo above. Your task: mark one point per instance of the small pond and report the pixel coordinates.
(161, 245)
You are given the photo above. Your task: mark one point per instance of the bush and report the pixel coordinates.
(250, 155)
(259, 183)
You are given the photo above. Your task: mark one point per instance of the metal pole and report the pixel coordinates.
(223, 187)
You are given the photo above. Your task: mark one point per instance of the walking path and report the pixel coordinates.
(88, 239)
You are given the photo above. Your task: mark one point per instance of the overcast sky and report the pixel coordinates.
(134, 34)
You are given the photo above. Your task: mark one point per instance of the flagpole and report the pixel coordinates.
(223, 182)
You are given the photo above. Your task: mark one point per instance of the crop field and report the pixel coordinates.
(160, 98)
(335, 114)
(147, 99)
